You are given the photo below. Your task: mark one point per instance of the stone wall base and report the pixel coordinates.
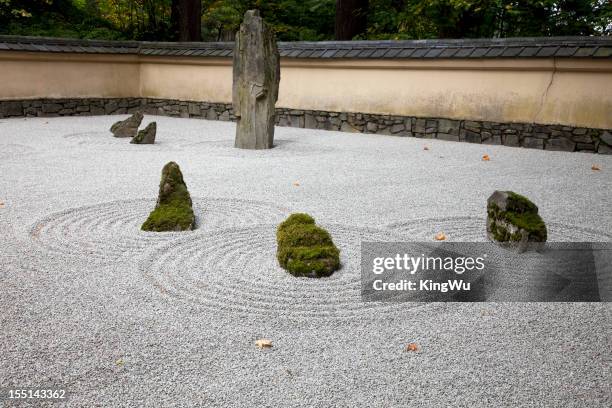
(529, 135)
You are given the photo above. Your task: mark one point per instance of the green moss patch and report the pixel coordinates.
(520, 204)
(305, 249)
(514, 218)
(173, 211)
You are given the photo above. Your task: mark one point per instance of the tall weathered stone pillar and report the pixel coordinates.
(255, 86)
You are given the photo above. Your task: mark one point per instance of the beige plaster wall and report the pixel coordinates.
(195, 79)
(39, 75)
(575, 92)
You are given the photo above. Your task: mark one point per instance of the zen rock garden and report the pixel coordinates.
(304, 249)
(221, 264)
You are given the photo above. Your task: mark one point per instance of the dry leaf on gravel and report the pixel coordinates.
(425, 148)
(1, 204)
(263, 343)
(295, 183)
(120, 362)
(595, 167)
(412, 347)
(486, 157)
(440, 236)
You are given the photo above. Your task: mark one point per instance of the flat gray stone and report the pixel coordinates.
(560, 145)
(533, 143)
(397, 128)
(604, 149)
(511, 140)
(445, 136)
(448, 126)
(346, 127)
(606, 137)
(11, 109)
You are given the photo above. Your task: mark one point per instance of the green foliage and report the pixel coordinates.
(173, 211)
(54, 18)
(401, 19)
(305, 249)
(310, 20)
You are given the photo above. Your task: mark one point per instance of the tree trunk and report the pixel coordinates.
(351, 18)
(186, 18)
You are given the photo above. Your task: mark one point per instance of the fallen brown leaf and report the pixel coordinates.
(412, 347)
(595, 167)
(440, 236)
(425, 148)
(486, 157)
(1, 204)
(295, 183)
(263, 343)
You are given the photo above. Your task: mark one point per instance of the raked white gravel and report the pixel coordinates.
(124, 318)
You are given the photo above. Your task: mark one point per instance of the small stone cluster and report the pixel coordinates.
(547, 137)
(173, 211)
(129, 128)
(513, 219)
(305, 249)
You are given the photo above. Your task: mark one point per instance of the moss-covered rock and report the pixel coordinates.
(304, 249)
(173, 211)
(514, 219)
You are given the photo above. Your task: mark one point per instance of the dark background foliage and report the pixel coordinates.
(305, 20)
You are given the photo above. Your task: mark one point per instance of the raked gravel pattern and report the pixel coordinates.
(121, 317)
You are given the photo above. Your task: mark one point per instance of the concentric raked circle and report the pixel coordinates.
(106, 141)
(96, 139)
(111, 231)
(236, 271)
(473, 229)
(12, 150)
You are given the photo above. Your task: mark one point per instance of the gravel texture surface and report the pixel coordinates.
(125, 318)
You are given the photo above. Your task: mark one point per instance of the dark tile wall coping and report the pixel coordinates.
(541, 47)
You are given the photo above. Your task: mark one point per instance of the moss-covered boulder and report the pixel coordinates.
(146, 136)
(304, 249)
(173, 211)
(513, 219)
